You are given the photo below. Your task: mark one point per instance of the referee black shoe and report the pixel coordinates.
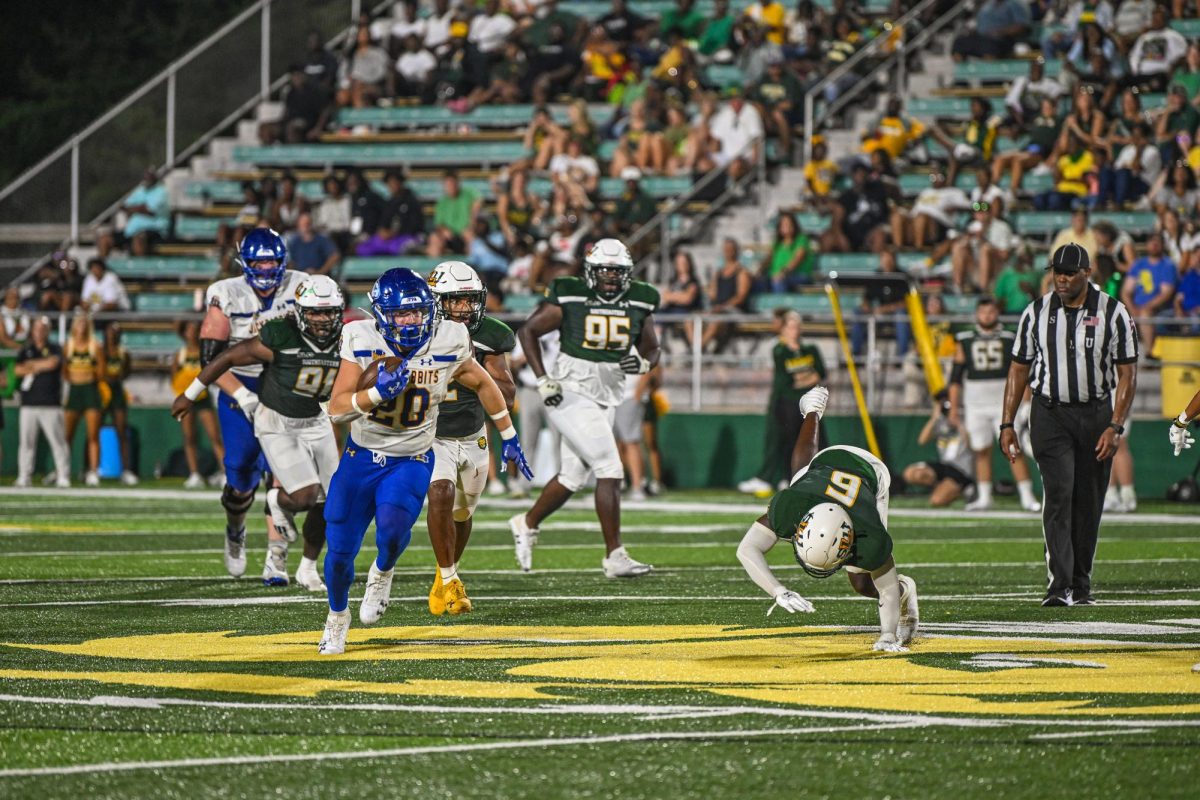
(1058, 599)
(1082, 599)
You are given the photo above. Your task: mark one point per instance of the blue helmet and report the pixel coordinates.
(397, 290)
(263, 244)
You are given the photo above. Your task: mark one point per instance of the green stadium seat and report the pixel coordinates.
(1046, 223)
(164, 301)
(959, 303)
(422, 116)
(812, 222)
(847, 262)
(200, 227)
(912, 183)
(946, 107)
(1188, 27)
(804, 303)
(163, 267)
(368, 268)
(997, 71)
(408, 153)
(725, 75)
(521, 303)
(151, 342)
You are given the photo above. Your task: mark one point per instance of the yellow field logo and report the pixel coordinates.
(803, 666)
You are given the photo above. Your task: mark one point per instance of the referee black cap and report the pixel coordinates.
(1069, 258)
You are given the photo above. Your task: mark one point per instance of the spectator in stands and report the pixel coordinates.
(253, 202)
(641, 142)
(1042, 147)
(1132, 19)
(306, 108)
(1025, 96)
(951, 474)
(1187, 294)
(320, 66)
(893, 132)
(1149, 289)
(366, 206)
(14, 322)
(102, 289)
(1079, 15)
(1174, 233)
(977, 142)
(885, 298)
(988, 190)
(575, 177)
(728, 293)
(820, 173)
(770, 16)
(598, 226)
(311, 251)
(401, 226)
(932, 216)
(1137, 167)
(686, 147)
(1075, 167)
(284, 211)
(755, 51)
(547, 16)
(438, 28)
(1080, 232)
(634, 206)
(39, 365)
(556, 255)
(780, 100)
(792, 260)
(488, 254)
(1177, 120)
(59, 284)
(520, 211)
(859, 216)
(1016, 286)
(1096, 62)
(552, 66)
(738, 128)
(186, 369)
(683, 293)
(488, 32)
(416, 71)
(1156, 53)
(999, 24)
(148, 218)
(332, 216)
(1179, 194)
(365, 74)
(978, 257)
(604, 66)
(506, 81)
(683, 18)
(1187, 73)
(717, 39)
(622, 24)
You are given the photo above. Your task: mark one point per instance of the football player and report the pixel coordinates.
(981, 359)
(300, 360)
(1180, 437)
(385, 470)
(236, 309)
(607, 327)
(834, 514)
(460, 463)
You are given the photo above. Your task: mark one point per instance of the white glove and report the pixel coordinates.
(634, 364)
(790, 602)
(1180, 437)
(814, 401)
(247, 401)
(888, 643)
(550, 390)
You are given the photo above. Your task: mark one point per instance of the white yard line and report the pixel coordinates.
(1089, 734)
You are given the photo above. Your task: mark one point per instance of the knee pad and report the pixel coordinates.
(234, 502)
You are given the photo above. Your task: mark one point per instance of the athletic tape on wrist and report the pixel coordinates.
(508, 433)
(500, 415)
(194, 390)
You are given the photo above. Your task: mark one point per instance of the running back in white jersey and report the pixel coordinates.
(406, 426)
(247, 312)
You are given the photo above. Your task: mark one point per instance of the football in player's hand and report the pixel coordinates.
(371, 373)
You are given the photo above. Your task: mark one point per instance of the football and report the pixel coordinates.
(371, 372)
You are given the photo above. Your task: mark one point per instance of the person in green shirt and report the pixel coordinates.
(1179, 117)
(834, 514)
(780, 100)
(683, 18)
(1015, 287)
(452, 216)
(1187, 74)
(718, 31)
(634, 207)
(792, 259)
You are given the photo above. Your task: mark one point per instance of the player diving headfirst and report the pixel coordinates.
(607, 326)
(395, 372)
(300, 360)
(460, 464)
(236, 309)
(834, 514)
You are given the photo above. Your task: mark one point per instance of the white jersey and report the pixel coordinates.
(248, 312)
(406, 426)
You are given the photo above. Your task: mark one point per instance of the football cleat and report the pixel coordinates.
(524, 538)
(308, 577)
(275, 567)
(285, 522)
(235, 551)
(217, 480)
(92, 478)
(636, 495)
(619, 564)
(376, 597)
(437, 604)
(1057, 599)
(63, 483)
(333, 640)
(755, 486)
(22, 483)
(194, 481)
(1031, 505)
(455, 596)
(979, 505)
(129, 478)
(910, 613)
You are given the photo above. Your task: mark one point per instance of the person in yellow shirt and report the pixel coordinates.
(84, 368)
(893, 132)
(1079, 232)
(1071, 174)
(185, 369)
(820, 173)
(771, 16)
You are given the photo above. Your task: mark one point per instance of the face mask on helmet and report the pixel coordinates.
(406, 326)
(464, 307)
(263, 258)
(610, 282)
(322, 325)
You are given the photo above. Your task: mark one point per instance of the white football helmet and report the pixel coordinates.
(823, 540)
(608, 269)
(319, 309)
(456, 280)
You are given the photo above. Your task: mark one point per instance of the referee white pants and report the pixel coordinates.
(50, 420)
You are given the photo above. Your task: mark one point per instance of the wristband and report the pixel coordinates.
(508, 433)
(501, 415)
(194, 390)
(1182, 420)
(354, 404)
(374, 395)
(1004, 425)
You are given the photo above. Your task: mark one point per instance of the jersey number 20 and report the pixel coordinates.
(406, 411)
(843, 487)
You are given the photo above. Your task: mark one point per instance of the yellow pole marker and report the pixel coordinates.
(934, 379)
(840, 325)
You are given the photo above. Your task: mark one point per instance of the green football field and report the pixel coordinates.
(132, 666)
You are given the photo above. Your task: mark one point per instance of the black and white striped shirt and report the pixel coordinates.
(1074, 353)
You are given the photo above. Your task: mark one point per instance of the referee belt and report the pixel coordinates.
(1048, 403)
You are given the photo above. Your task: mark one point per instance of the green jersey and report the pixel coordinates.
(461, 412)
(597, 334)
(988, 353)
(837, 476)
(794, 370)
(301, 374)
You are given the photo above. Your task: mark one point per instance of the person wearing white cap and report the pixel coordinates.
(634, 207)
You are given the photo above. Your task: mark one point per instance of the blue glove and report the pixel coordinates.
(511, 452)
(391, 384)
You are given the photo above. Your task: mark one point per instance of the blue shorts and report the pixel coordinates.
(365, 480)
(244, 459)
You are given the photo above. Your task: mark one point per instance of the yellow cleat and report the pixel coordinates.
(454, 595)
(437, 602)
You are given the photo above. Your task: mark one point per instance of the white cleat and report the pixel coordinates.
(285, 522)
(910, 613)
(308, 577)
(1032, 505)
(275, 567)
(524, 538)
(636, 496)
(194, 481)
(618, 564)
(755, 486)
(333, 640)
(217, 480)
(375, 599)
(129, 478)
(978, 505)
(22, 483)
(91, 479)
(50, 479)
(235, 552)
(63, 483)
(1128, 505)
(1112, 501)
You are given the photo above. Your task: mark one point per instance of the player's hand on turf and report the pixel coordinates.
(182, 407)
(511, 452)
(1180, 437)
(1106, 447)
(888, 643)
(790, 602)
(550, 390)
(391, 384)
(1009, 445)
(247, 401)
(634, 364)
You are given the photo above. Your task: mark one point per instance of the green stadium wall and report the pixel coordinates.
(699, 450)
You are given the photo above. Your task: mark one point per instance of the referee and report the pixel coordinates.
(1075, 347)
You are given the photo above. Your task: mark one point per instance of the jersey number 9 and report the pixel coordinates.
(605, 333)
(843, 487)
(406, 411)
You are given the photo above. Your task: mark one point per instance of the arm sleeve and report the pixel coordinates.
(888, 586)
(752, 553)
(1024, 344)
